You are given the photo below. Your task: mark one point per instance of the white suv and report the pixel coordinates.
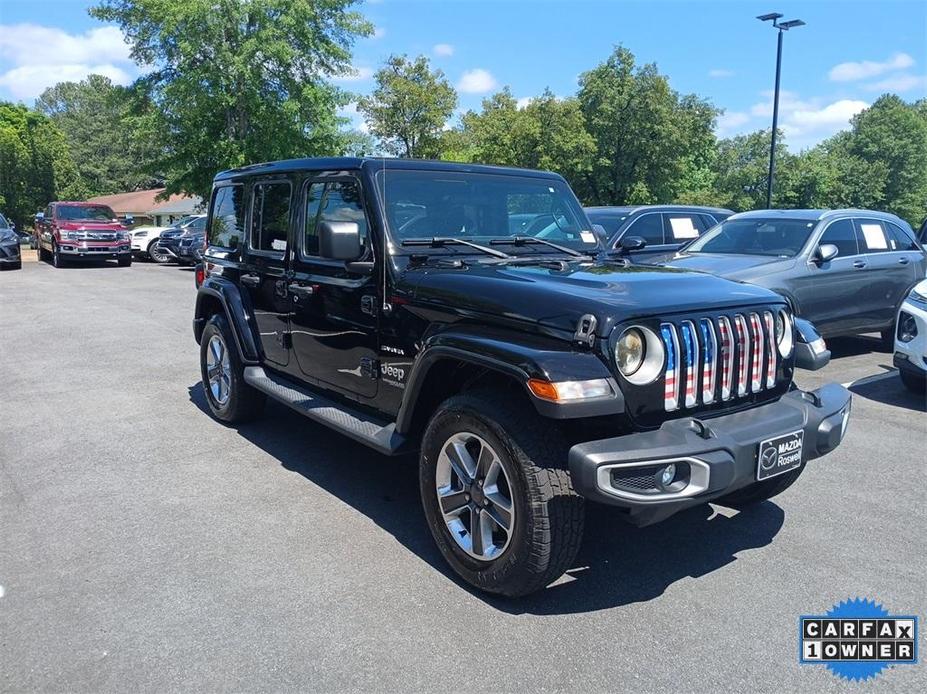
(145, 243)
(911, 340)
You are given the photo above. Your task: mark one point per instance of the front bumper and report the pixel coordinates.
(10, 253)
(911, 356)
(720, 453)
(94, 250)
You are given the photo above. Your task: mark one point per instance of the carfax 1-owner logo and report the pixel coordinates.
(857, 639)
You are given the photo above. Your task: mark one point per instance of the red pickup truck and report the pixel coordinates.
(81, 231)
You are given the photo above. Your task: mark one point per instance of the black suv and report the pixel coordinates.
(398, 302)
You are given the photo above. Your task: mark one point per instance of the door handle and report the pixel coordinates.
(300, 290)
(859, 264)
(902, 261)
(250, 280)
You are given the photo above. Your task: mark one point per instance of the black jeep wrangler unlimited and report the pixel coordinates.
(469, 313)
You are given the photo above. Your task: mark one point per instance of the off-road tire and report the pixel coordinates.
(761, 491)
(244, 402)
(916, 383)
(549, 514)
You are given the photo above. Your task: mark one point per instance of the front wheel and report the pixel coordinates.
(230, 399)
(497, 496)
(57, 260)
(156, 254)
(125, 260)
(761, 491)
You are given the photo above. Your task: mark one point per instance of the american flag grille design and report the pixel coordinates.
(718, 358)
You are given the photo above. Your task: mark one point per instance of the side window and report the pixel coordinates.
(872, 236)
(270, 216)
(649, 227)
(310, 232)
(899, 239)
(341, 202)
(227, 219)
(48, 212)
(842, 235)
(682, 227)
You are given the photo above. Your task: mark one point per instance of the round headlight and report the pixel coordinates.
(784, 330)
(629, 351)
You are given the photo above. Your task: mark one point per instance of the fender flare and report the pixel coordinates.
(233, 305)
(547, 359)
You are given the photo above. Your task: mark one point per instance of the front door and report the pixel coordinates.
(263, 269)
(333, 306)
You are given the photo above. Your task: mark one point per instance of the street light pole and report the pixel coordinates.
(783, 26)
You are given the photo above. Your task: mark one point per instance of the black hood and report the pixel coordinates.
(557, 298)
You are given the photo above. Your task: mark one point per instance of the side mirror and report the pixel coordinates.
(600, 232)
(339, 240)
(825, 253)
(631, 243)
(39, 216)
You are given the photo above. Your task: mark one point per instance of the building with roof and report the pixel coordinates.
(146, 210)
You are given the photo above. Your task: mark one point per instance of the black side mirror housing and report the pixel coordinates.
(631, 243)
(811, 351)
(340, 240)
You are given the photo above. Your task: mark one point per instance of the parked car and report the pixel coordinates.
(193, 225)
(190, 249)
(69, 231)
(528, 372)
(10, 256)
(663, 228)
(911, 340)
(145, 243)
(922, 234)
(846, 271)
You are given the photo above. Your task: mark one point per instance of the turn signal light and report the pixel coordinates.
(569, 391)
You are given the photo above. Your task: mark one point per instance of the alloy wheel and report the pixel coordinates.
(474, 495)
(218, 370)
(157, 255)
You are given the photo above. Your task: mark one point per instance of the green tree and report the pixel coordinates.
(102, 132)
(238, 82)
(35, 164)
(409, 107)
(648, 139)
(741, 170)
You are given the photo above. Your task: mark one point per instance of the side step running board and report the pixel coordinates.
(360, 426)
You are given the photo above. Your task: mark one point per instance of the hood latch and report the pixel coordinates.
(585, 330)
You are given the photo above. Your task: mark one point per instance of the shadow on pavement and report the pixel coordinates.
(888, 389)
(617, 565)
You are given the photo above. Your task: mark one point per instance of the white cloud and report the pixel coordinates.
(478, 81)
(720, 72)
(39, 57)
(523, 102)
(350, 112)
(730, 121)
(898, 83)
(850, 72)
(379, 32)
(357, 74)
(443, 50)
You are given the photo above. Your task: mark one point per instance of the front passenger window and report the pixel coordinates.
(649, 227)
(842, 235)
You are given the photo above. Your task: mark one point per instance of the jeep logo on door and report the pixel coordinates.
(393, 375)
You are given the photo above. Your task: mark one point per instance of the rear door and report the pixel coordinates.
(680, 228)
(333, 319)
(890, 270)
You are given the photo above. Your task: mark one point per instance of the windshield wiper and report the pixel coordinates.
(525, 240)
(439, 241)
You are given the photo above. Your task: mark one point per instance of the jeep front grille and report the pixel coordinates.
(718, 358)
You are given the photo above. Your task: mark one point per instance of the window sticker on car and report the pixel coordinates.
(875, 237)
(683, 228)
(587, 236)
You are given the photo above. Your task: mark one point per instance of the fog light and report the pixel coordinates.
(907, 327)
(667, 475)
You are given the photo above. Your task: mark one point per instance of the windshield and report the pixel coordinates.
(774, 237)
(97, 213)
(3, 223)
(483, 208)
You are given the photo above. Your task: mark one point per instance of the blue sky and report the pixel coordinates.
(847, 55)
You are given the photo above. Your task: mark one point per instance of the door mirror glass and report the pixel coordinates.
(340, 240)
(631, 243)
(826, 252)
(600, 232)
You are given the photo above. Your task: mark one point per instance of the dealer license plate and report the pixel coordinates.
(779, 455)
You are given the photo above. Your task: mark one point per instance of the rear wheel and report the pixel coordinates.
(761, 491)
(497, 495)
(230, 399)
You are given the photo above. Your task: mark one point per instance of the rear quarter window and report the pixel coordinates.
(226, 218)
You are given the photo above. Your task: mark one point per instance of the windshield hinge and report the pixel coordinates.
(585, 330)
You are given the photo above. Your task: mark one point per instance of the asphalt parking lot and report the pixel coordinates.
(145, 547)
